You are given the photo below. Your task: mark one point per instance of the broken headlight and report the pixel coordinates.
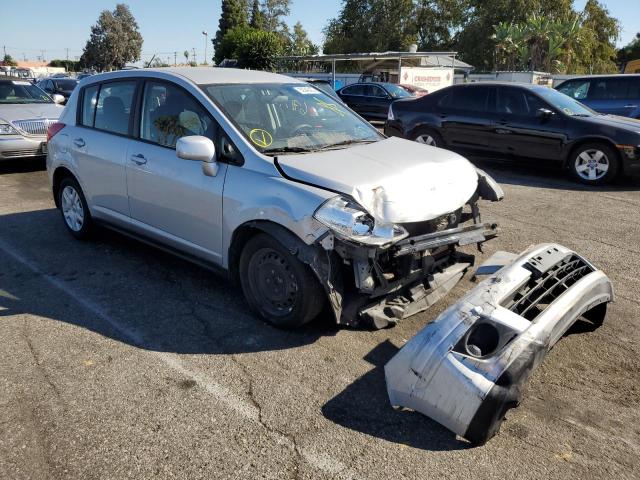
(348, 219)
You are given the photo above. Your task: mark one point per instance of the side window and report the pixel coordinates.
(376, 91)
(608, 89)
(534, 103)
(168, 113)
(445, 100)
(578, 89)
(89, 101)
(512, 102)
(472, 99)
(634, 88)
(354, 90)
(114, 107)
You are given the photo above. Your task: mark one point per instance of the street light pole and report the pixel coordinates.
(206, 42)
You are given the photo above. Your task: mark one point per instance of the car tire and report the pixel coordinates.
(428, 136)
(73, 207)
(278, 287)
(593, 163)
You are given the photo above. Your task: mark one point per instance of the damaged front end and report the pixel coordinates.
(467, 368)
(378, 272)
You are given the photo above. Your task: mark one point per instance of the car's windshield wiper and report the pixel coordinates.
(346, 142)
(287, 150)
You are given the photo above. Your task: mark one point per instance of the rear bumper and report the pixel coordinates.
(466, 369)
(16, 146)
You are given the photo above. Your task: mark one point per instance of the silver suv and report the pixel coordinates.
(272, 181)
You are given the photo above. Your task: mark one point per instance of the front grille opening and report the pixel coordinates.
(537, 294)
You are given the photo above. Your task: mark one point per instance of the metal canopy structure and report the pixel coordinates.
(376, 59)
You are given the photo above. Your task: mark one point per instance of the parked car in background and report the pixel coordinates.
(415, 91)
(611, 94)
(372, 100)
(58, 85)
(515, 121)
(25, 115)
(293, 195)
(322, 85)
(82, 75)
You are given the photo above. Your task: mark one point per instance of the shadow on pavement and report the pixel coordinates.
(154, 300)
(364, 407)
(22, 165)
(547, 176)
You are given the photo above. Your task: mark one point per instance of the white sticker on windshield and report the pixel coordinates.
(305, 90)
(20, 82)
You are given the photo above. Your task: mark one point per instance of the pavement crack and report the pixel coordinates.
(39, 366)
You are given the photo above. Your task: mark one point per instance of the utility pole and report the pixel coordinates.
(43, 56)
(5, 50)
(194, 56)
(175, 59)
(206, 42)
(67, 54)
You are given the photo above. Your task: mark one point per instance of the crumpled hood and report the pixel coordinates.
(395, 180)
(29, 111)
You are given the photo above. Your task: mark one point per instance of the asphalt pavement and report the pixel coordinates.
(120, 361)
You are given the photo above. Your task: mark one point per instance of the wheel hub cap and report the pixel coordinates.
(72, 208)
(592, 164)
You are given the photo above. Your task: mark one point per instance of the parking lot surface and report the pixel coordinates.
(120, 361)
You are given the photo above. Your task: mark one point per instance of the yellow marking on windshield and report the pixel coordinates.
(330, 106)
(260, 137)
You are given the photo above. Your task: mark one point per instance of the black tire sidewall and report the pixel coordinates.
(87, 224)
(612, 156)
(307, 304)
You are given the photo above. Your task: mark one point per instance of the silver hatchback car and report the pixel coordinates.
(287, 191)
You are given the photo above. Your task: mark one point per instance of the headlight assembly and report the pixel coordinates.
(6, 129)
(348, 219)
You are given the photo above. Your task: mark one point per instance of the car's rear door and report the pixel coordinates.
(98, 143)
(172, 200)
(354, 97)
(610, 95)
(467, 117)
(378, 101)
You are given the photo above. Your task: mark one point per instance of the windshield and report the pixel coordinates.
(68, 84)
(564, 103)
(281, 118)
(21, 91)
(396, 91)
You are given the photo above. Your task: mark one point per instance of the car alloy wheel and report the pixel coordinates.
(592, 164)
(72, 208)
(426, 139)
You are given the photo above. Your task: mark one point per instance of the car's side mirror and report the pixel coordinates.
(544, 113)
(201, 149)
(57, 98)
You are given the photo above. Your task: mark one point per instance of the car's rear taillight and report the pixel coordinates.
(53, 129)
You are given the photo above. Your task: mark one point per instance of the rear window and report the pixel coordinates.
(354, 90)
(65, 84)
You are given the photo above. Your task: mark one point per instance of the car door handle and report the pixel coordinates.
(79, 142)
(138, 159)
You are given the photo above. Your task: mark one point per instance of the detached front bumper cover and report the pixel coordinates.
(467, 368)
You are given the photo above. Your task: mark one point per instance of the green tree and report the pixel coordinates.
(371, 25)
(234, 14)
(257, 17)
(631, 51)
(186, 56)
(273, 13)
(300, 43)
(9, 61)
(68, 65)
(114, 40)
(255, 49)
(439, 21)
(601, 31)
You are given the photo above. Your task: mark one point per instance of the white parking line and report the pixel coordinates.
(321, 461)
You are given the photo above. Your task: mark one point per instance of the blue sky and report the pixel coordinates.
(30, 26)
